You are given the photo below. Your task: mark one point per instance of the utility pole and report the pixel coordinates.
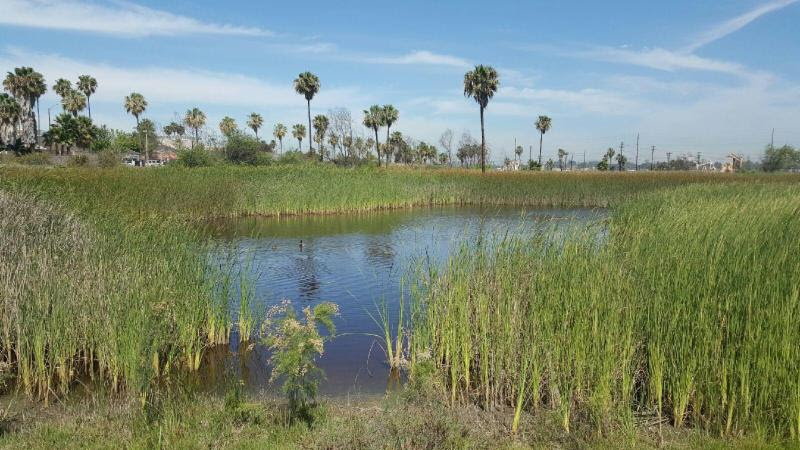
(637, 152)
(584, 159)
(652, 155)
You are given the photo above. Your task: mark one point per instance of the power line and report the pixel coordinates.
(652, 155)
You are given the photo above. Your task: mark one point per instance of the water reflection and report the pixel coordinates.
(356, 261)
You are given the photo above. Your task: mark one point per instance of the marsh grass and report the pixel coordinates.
(689, 310)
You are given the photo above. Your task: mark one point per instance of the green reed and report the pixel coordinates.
(689, 309)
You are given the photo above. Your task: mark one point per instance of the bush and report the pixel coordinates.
(196, 157)
(243, 149)
(534, 165)
(108, 159)
(78, 161)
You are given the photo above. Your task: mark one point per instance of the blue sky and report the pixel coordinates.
(688, 76)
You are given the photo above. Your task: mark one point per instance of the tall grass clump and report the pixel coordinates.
(685, 308)
(95, 299)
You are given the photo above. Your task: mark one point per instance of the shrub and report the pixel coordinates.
(78, 161)
(242, 149)
(295, 345)
(196, 157)
(108, 159)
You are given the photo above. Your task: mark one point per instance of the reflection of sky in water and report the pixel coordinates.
(356, 261)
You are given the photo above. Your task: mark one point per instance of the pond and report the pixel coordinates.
(357, 261)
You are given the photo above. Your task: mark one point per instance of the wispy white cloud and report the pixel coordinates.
(422, 57)
(581, 100)
(176, 86)
(737, 23)
(117, 18)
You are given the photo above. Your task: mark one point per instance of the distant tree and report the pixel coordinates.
(550, 164)
(543, 124)
(69, 131)
(481, 84)
(26, 86)
(299, 132)
(321, 123)
(307, 85)
(87, 85)
(135, 105)
(73, 102)
(175, 129)
(333, 141)
(603, 164)
(195, 119)
(147, 135)
(373, 119)
(518, 151)
(621, 160)
(62, 87)
(443, 158)
(780, 158)
(279, 132)
(396, 143)
(255, 121)
(390, 115)
(446, 141)
(561, 154)
(10, 112)
(227, 126)
(242, 149)
(610, 157)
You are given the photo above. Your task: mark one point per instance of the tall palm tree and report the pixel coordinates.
(195, 119)
(481, 83)
(135, 105)
(10, 112)
(227, 126)
(390, 115)
(62, 87)
(279, 132)
(147, 129)
(255, 121)
(320, 128)
(26, 85)
(373, 118)
(543, 125)
(73, 102)
(307, 85)
(87, 85)
(299, 132)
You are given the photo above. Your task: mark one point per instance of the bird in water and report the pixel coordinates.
(301, 244)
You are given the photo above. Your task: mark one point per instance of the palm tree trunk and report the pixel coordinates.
(89, 106)
(281, 141)
(541, 135)
(387, 143)
(377, 146)
(38, 120)
(310, 150)
(483, 146)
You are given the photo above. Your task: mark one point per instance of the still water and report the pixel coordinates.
(359, 262)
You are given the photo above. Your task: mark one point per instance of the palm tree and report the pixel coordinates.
(135, 104)
(333, 140)
(73, 102)
(609, 156)
(481, 83)
(255, 121)
(320, 128)
(561, 154)
(195, 119)
(10, 112)
(279, 132)
(373, 118)
(518, 152)
(147, 129)
(87, 85)
(390, 115)
(62, 87)
(174, 128)
(395, 143)
(227, 126)
(299, 132)
(26, 86)
(543, 125)
(307, 84)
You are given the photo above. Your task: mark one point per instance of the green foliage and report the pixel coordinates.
(194, 157)
(103, 139)
(71, 131)
(107, 159)
(780, 158)
(296, 343)
(534, 165)
(244, 149)
(123, 142)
